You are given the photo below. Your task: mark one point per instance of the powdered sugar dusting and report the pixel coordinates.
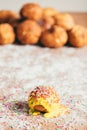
(24, 67)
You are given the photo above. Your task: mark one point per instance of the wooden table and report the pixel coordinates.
(80, 18)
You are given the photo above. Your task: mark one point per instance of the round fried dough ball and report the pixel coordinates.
(64, 20)
(47, 22)
(31, 11)
(49, 12)
(78, 36)
(54, 37)
(7, 16)
(7, 35)
(28, 32)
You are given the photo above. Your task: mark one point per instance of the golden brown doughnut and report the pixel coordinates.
(28, 32)
(78, 36)
(47, 22)
(31, 11)
(8, 16)
(54, 37)
(44, 99)
(49, 12)
(64, 20)
(7, 35)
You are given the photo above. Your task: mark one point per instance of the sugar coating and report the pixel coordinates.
(45, 92)
(24, 67)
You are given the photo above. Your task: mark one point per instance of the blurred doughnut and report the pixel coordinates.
(31, 11)
(7, 35)
(47, 22)
(49, 12)
(7, 16)
(28, 32)
(54, 37)
(78, 36)
(64, 20)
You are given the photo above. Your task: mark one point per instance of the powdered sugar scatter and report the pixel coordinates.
(24, 67)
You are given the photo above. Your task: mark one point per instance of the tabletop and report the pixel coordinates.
(80, 18)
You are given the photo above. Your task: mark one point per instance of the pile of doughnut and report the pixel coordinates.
(44, 100)
(35, 24)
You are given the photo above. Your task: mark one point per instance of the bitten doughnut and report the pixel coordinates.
(64, 20)
(54, 37)
(49, 12)
(28, 32)
(45, 100)
(31, 11)
(78, 36)
(7, 35)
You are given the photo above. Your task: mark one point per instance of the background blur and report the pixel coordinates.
(61, 5)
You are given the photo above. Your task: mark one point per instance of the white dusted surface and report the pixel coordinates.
(61, 5)
(24, 67)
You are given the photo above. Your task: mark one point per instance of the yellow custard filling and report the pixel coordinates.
(52, 110)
